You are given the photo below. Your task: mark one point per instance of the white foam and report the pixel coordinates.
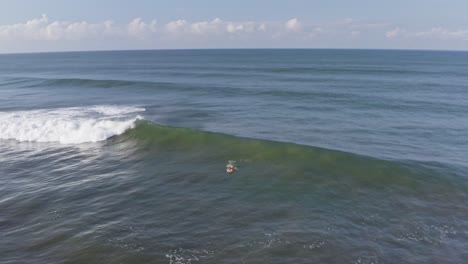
(116, 111)
(68, 125)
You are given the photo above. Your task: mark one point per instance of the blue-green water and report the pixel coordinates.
(343, 156)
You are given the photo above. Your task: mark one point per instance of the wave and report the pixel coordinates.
(78, 125)
(293, 161)
(97, 83)
(81, 82)
(32, 82)
(73, 125)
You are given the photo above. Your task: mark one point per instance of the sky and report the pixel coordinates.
(65, 25)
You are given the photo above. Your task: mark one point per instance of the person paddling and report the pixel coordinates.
(230, 167)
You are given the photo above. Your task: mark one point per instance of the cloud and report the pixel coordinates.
(176, 26)
(43, 33)
(233, 28)
(215, 26)
(243, 27)
(444, 34)
(204, 27)
(42, 29)
(439, 33)
(293, 24)
(32, 28)
(394, 33)
(262, 27)
(136, 27)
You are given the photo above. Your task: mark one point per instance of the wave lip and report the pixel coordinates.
(72, 125)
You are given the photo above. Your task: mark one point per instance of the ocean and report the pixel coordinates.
(342, 156)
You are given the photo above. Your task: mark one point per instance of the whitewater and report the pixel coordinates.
(73, 125)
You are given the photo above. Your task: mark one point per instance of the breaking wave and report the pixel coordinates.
(69, 125)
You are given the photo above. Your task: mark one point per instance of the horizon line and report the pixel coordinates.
(194, 49)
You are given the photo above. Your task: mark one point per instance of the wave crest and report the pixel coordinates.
(68, 125)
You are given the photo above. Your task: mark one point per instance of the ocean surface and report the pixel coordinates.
(343, 156)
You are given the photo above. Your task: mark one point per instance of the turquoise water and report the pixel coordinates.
(343, 156)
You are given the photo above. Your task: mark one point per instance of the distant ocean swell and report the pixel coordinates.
(223, 90)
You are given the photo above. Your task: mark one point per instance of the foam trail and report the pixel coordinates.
(68, 125)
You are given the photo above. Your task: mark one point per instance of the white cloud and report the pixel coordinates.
(262, 27)
(242, 27)
(293, 24)
(136, 27)
(394, 33)
(203, 27)
(44, 29)
(153, 25)
(41, 29)
(215, 26)
(232, 28)
(43, 33)
(200, 27)
(32, 28)
(434, 33)
(442, 33)
(176, 26)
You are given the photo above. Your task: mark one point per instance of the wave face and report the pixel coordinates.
(287, 162)
(68, 125)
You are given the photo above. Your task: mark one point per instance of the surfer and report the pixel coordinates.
(230, 167)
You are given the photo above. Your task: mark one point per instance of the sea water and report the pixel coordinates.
(343, 156)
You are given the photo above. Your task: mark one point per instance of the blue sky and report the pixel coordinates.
(60, 25)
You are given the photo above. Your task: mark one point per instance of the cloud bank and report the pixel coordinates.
(45, 34)
(43, 28)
